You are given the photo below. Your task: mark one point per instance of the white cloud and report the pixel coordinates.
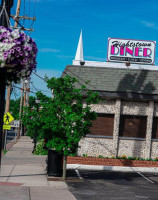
(46, 50)
(149, 24)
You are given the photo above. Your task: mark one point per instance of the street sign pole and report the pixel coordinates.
(16, 130)
(5, 142)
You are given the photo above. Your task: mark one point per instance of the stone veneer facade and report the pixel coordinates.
(115, 146)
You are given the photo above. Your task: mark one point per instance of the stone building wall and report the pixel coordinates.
(134, 108)
(96, 146)
(154, 149)
(106, 106)
(131, 147)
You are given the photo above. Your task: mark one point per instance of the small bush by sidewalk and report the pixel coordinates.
(39, 148)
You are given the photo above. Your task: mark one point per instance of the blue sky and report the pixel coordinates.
(59, 23)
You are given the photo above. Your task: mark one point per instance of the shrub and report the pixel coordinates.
(112, 157)
(100, 156)
(39, 148)
(5, 151)
(123, 157)
(130, 158)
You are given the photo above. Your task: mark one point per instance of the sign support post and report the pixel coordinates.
(16, 130)
(5, 142)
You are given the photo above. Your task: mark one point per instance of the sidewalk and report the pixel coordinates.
(23, 176)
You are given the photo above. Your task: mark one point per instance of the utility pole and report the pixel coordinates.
(28, 91)
(17, 14)
(17, 18)
(20, 111)
(5, 4)
(24, 104)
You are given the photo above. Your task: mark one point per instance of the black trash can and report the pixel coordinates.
(55, 163)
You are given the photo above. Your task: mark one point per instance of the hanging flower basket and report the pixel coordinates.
(17, 53)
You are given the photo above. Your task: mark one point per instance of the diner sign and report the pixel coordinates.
(133, 51)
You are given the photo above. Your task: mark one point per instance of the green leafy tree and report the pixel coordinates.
(32, 121)
(68, 116)
(14, 108)
(65, 118)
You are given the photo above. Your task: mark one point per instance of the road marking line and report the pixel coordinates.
(145, 177)
(78, 174)
(142, 197)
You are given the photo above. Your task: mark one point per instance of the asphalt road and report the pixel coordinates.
(100, 185)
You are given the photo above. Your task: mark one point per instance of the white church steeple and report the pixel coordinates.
(79, 58)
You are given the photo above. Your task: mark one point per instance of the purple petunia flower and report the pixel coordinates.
(18, 48)
(12, 50)
(19, 51)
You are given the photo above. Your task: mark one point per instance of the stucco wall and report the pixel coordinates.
(106, 106)
(154, 149)
(127, 108)
(134, 108)
(102, 146)
(132, 148)
(115, 147)
(95, 147)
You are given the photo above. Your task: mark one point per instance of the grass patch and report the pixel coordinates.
(4, 152)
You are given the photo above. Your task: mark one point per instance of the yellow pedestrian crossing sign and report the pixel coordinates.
(8, 118)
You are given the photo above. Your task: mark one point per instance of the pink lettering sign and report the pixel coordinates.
(134, 51)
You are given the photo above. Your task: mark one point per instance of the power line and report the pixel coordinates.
(39, 76)
(29, 11)
(24, 14)
(39, 89)
(33, 15)
(34, 86)
(31, 90)
(23, 89)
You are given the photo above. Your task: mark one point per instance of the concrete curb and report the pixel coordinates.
(10, 145)
(113, 168)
